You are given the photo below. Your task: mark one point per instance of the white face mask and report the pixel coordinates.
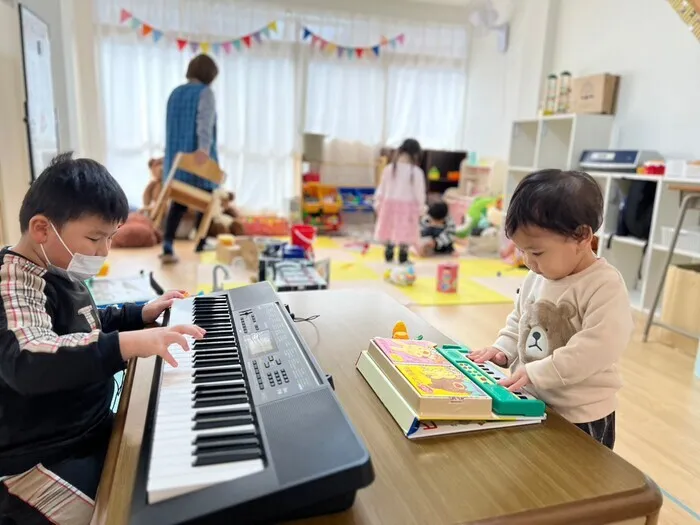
(81, 267)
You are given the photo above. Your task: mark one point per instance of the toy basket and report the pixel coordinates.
(269, 226)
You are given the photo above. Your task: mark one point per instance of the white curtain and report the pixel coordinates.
(268, 94)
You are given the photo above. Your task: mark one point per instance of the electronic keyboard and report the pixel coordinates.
(247, 428)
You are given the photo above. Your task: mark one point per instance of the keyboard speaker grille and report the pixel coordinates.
(299, 446)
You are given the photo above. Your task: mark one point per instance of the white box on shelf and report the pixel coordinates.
(688, 238)
(682, 169)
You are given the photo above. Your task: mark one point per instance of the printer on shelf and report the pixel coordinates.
(616, 160)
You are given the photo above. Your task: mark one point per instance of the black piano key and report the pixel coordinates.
(208, 363)
(214, 345)
(226, 456)
(215, 356)
(205, 390)
(219, 401)
(218, 440)
(223, 422)
(213, 376)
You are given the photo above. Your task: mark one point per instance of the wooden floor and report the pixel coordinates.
(658, 422)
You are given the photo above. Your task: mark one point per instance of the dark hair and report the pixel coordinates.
(69, 189)
(410, 147)
(564, 202)
(202, 68)
(438, 210)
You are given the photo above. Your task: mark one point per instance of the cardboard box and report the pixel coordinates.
(680, 306)
(596, 94)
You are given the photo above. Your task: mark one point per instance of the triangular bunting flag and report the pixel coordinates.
(205, 47)
(393, 43)
(323, 43)
(272, 26)
(400, 38)
(341, 51)
(181, 43)
(246, 40)
(194, 46)
(307, 33)
(331, 48)
(237, 44)
(359, 52)
(257, 36)
(135, 23)
(146, 30)
(350, 52)
(375, 49)
(124, 15)
(157, 35)
(265, 31)
(227, 47)
(216, 47)
(383, 41)
(314, 40)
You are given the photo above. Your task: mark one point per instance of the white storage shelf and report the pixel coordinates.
(557, 141)
(554, 141)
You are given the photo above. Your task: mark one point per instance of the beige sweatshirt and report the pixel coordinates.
(569, 334)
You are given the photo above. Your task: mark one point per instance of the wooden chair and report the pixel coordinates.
(188, 195)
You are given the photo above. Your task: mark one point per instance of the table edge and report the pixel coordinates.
(643, 501)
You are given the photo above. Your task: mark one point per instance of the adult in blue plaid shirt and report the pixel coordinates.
(190, 128)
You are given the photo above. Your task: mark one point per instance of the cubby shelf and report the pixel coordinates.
(557, 142)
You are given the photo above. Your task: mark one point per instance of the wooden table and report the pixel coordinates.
(540, 475)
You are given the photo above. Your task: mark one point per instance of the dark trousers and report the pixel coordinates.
(403, 253)
(602, 430)
(67, 487)
(172, 221)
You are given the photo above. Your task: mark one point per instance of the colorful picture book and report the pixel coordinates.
(429, 383)
(415, 427)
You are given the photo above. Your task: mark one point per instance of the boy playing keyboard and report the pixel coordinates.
(58, 353)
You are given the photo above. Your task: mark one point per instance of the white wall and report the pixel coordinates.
(643, 41)
(14, 153)
(506, 86)
(646, 43)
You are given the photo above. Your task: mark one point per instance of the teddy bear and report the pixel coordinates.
(226, 215)
(152, 191)
(544, 327)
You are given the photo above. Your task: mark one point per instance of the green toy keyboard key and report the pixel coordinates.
(505, 402)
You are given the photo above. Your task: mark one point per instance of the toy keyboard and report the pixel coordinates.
(505, 402)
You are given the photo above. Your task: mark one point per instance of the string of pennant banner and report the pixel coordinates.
(246, 41)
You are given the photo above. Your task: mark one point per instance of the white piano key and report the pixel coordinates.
(171, 471)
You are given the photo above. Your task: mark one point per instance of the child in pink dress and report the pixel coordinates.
(400, 201)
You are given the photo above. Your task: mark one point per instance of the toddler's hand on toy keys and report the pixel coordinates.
(516, 381)
(155, 341)
(152, 310)
(489, 354)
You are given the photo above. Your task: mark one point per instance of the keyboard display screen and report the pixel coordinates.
(260, 342)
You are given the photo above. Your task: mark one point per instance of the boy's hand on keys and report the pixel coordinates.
(155, 341)
(151, 311)
(489, 354)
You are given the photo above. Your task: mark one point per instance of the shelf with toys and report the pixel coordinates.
(321, 204)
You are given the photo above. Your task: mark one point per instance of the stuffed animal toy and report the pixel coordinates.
(152, 191)
(544, 327)
(226, 215)
(137, 232)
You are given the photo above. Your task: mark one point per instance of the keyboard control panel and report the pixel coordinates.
(276, 366)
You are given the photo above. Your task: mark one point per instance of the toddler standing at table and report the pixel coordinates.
(572, 318)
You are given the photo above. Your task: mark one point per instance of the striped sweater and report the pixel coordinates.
(58, 356)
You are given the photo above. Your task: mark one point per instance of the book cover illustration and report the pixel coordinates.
(401, 351)
(441, 381)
